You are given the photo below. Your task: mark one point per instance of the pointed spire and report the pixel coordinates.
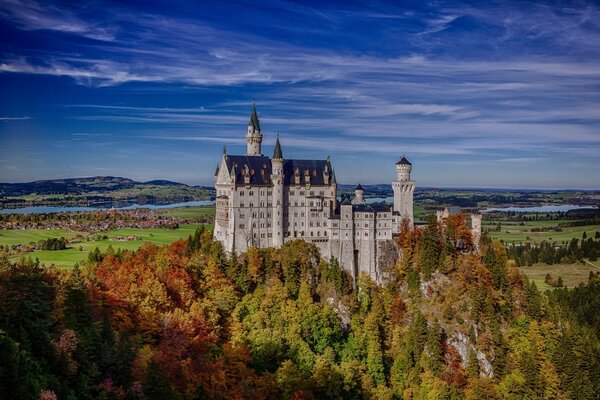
(224, 150)
(333, 180)
(254, 119)
(277, 153)
(217, 170)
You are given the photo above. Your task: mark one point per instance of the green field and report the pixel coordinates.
(572, 274)
(189, 212)
(80, 244)
(68, 257)
(516, 233)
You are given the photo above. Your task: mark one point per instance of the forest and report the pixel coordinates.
(187, 321)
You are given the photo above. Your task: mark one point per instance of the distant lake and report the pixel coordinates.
(540, 209)
(58, 209)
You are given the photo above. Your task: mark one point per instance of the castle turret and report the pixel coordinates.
(403, 191)
(277, 180)
(253, 137)
(359, 194)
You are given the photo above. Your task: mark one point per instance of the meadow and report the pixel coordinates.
(80, 244)
(512, 232)
(571, 274)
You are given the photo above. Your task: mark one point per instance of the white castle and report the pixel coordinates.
(265, 202)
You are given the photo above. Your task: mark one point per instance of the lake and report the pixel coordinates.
(58, 209)
(539, 209)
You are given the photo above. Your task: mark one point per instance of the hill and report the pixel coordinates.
(97, 190)
(186, 321)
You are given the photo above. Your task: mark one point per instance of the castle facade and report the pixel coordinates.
(265, 202)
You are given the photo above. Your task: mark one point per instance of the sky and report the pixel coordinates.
(502, 94)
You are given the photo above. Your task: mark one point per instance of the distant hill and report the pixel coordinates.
(98, 190)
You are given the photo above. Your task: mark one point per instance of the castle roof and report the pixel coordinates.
(359, 187)
(345, 201)
(277, 153)
(254, 119)
(403, 161)
(376, 207)
(258, 169)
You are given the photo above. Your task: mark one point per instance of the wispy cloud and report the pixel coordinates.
(14, 118)
(31, 15)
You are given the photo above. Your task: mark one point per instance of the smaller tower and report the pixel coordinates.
(403, 191)
(359, 193)
(277, 180)
(253, 137)
(476, 230)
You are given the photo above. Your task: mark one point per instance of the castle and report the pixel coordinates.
(265, 202)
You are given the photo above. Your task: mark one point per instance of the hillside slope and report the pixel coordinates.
(97, 190)
(185, 321)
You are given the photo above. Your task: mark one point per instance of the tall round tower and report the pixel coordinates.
(403, 192)
(277, 180)
(253, 136)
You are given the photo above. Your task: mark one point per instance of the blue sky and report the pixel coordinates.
(476, 94)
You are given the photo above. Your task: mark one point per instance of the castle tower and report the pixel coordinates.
(403, 191)
(476, 230)
(253, 137)
(359, 195)
(277, 180)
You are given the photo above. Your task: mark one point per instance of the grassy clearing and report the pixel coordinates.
(523, 234)
(572, 274)
(189, 212)
(79, 251)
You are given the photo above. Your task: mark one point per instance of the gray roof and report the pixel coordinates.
(345, 201)
(403, 161)
(371, 207)
(254, 119)
(277, 153)
(259, 170)
(359, 187)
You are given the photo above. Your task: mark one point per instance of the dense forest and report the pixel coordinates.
(186, 321)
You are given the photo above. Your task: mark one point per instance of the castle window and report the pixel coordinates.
(241, 192)
(312, 203)
(325, 233)
(251, 193)
(254, 236)
(262, 235)
(302, 204)
(311, 233)
(311, 224)
(302, 193)
(269, 193)
(302, 214)
(318, 233)
(262, 225)
(242, 204)
(292, 193)
(253, 215)
(242, 226)
(366, 233)
(295, 214)
(312, 192)
(262, 215)
(251, 204)
(254, 225)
